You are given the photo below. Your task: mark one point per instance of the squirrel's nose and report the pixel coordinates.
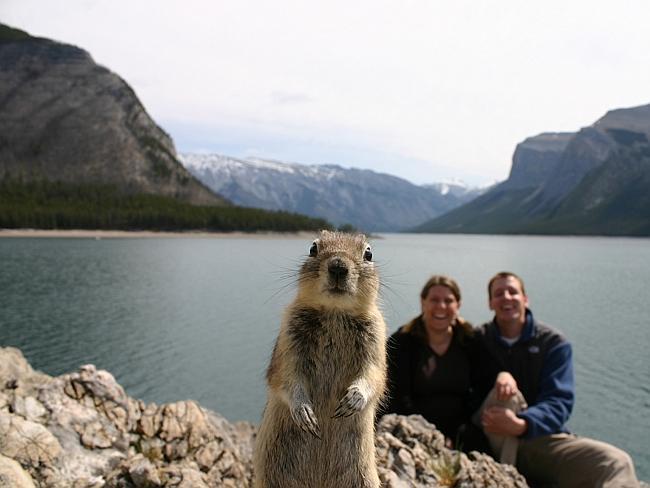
(337, 269)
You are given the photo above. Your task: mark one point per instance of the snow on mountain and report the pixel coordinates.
(371, 201)
(455, 187)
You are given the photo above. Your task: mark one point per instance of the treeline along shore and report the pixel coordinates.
(42, 204)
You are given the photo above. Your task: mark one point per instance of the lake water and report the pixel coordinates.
(180, 318)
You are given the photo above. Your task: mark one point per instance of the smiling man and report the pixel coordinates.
(518, 355)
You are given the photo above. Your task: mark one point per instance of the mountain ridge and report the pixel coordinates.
(595, 184)
(78, 150)
(365, 199)
(52, 91)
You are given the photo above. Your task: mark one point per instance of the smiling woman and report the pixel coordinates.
(429, 367)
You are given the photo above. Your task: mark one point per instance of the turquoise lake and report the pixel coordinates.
(181, 318)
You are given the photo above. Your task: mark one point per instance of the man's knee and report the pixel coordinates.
(621, 461)
(609, 465)
(610, 456)
(571, 461)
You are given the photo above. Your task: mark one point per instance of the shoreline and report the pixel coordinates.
(140, 234)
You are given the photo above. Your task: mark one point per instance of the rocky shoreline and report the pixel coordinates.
(82, 430)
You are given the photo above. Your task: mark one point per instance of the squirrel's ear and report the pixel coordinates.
(313, 250)
(367, 254)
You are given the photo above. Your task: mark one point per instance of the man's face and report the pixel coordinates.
(508, 301)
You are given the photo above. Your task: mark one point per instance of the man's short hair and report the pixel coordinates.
(505, 274)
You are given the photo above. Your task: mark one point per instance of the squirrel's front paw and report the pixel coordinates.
(303, 415)
(352, 402)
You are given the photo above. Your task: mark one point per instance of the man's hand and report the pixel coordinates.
(503, 421)
(505, 386)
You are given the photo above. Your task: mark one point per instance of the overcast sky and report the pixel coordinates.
(427, 90)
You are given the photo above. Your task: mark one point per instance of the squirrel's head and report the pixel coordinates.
(339, 272)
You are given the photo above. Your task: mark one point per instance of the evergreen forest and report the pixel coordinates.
(44, 204)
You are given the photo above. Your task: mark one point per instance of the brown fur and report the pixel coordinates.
(326, 376)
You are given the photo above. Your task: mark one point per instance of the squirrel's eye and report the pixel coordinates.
(367, 255)
(313, 250)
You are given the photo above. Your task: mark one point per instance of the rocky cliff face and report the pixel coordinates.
(587, 150)
(368, 200)
(591, 147)
(633, 119)
(535, 158)
(599, 185)
(65, 118)
(82, 430)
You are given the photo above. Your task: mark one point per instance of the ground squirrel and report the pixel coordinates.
(327, 374)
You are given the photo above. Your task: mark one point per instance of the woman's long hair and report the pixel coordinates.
(416, 326)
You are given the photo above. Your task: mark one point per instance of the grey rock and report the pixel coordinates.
(633, 119)
(88, 432)
(12, 475)
(411, 452)
(17, 378)
(143, 473)
(586, 151)
(594, 146)
(93, 435)
(28, 407)
(535, 158)
(29, 443)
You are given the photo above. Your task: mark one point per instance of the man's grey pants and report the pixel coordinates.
(562, 460)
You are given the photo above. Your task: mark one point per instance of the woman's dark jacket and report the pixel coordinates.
(423, 382)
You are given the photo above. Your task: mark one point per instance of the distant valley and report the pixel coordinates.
(364, 199)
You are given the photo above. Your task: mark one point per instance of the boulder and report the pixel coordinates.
(411, 452)
(12, 475)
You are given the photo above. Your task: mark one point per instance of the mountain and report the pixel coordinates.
(535, 159)
(593, 182)
(368, 200)
(79, 151)
(64, 118)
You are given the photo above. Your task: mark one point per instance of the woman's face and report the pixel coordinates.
(439, 308)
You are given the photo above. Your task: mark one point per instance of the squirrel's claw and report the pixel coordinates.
(305, 418)
(352, 402)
